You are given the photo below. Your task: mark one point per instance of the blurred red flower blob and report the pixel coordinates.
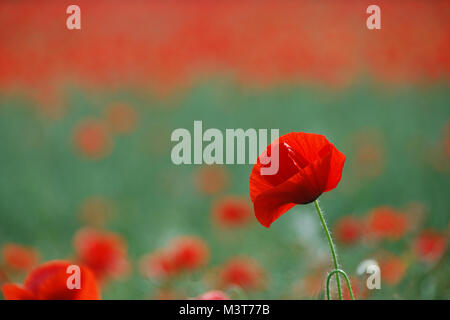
(92, 138)
(440, 154)
(157, 265)
(311, 285)
(386, 222)
(232, 212)
(213, 295)
(244, 272)
(354, 282)
(430, 245)
(18, 257)
(105, 253)
(49, 282)
(183, 254)
(188, 253)
(3, 276)
(95, 211)
(368, 153)
(167, 294)
(392, 269)
(121, 118)
(309, 165)
(446, 140)
(211, 179)
(348, 230)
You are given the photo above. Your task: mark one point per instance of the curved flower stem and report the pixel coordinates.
(330, 241)
(346, 279)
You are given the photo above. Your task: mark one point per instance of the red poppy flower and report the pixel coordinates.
(386, 222)
(430, 245)
(354, 282)
(392, 269)
(213, 295)
(439, 155)
(211, 179)
(95, 211)
(309, 165)
(368, 153)
(183, 254)
(104, 252)
(158, 265)
(3, 276)
(348, 230)
(93, 139)
(19, 257)
(446, 140)
(232, 212)
(244, 272)
(188, 253)
(168, 294)
(311, 285)
(121, 118)
(49, 282)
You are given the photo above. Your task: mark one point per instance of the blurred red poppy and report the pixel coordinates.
(439, 155)
(183, 254)
(354, 282)
(93, 139)
(213, 295)
(244, 272)
(309, 165)
(18, 257)
(49, 282)
(348, 230)
(392, 269)
(430, 245)
(369, 160)
(310, 286)
(95, 211)
(157, 265)
(103, 252)
(446, 140)
(369, 153)
(386, 222)
(168, 294)
(121, 118)
(188, 253)
(232, 212)
(211, 179)
(3, 276)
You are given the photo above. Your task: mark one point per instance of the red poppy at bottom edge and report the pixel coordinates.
(309, 165)
(49, 282)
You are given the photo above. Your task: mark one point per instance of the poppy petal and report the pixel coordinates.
(308, 145)
(311, 146)
(12, 291)
(303, 188)
(49, 282)
(286, 169)
(336, 166)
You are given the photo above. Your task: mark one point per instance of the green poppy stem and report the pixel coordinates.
(333, 250)
(346, 279)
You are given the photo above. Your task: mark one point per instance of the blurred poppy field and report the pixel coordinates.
(86, 118)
